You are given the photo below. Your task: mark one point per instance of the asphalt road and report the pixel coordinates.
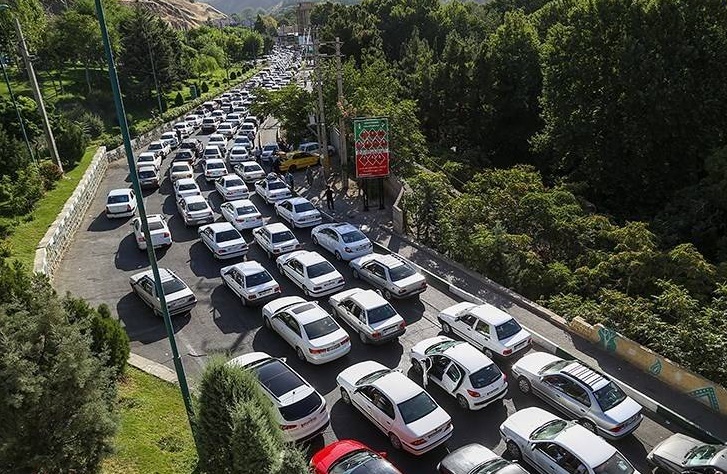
(104, 255)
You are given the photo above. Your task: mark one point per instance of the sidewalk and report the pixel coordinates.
(377, 224)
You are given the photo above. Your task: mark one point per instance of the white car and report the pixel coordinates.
(242, 140)
(272, 189)
(234, 118)
(184, 187)
(298, 211)
(312, 273)
(393, 275)
(227, 130)
(248, 129)
(269, 149)
(308, 328)
(170, 138)
(218, 140)
(212, 152)
(184, 128)
(179, 297)
(395, 405)
(195, 210)
(231, 187)
(159, 147)
(250, 282)
(120, 203)
(209, 125)
(486, 327)
(369, 314)
(158, 228)
(301, 411)
(342, 239)
(556, 446)
(180, 170)
(249, 171)
(214, 168)
(148, 176)
(460, 370)
(149, 158)
(238, 154)
(218, 115)
(194, 120)
(242, 214)
(276, 239)
(223, 240)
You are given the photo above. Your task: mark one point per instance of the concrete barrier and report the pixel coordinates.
(671, 373)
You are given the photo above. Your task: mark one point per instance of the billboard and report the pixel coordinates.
(371, 137)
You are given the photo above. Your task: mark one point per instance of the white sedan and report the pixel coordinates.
(460, 370)
(170, 138)
(223, 240)
(195, 210)
(179, 170)
(393, 275)
(120, 203)
(218, 140)
(214, 168)
(185, 129)
(342, 239)
(149, 158)
(179, 297)
(272, 189)
(553, 445)
(486, 327)
(159, 147)
(194, 120)
(184, 187)
(312, 273)
(369, 314)
(212, 152)
(249, 171)
(242, 214)
(231, 187)
(242, 140)
(395, 405)
(237, 154)
(276, 239)
(298, 211)
(250, 282)
(158, 228)
(308, 328)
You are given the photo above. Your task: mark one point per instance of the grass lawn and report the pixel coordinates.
(27, 235)
(154, 435)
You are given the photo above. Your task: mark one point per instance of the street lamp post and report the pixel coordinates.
(17, 109)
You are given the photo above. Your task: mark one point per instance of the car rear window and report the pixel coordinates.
(283, 237)
(320, 269)
(155, 225)
(485, 376)
(188, 186)
(320, 328)
(245, 210)
(215, 166)
(507, 329)
(147, 174)
(401, 272)
(609, 396)
(304, 207)
(257, 279)
(353, 236)
(172, 286)
(301, 408)
(227, 235)
(417, 407)
(234, 182)
(179, 169)
(197, 206)
(278, 378)
(118, 199)
(250, 169)
(276, 185)
(382, 313)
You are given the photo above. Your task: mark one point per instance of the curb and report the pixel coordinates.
(152, 368)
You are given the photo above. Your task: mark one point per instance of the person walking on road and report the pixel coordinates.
(309, 176)
(290, 181)
(329, 197)
(179, 136)
(276, 165)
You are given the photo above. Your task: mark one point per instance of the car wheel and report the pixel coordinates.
(355, 274)
(338, 255)
(267, 324)
(589, 425)
(299, 353)
(387, 295)
(416, 366)
(446, 329)
(523, 384)
(314, 239)
(345, 396)
(362, 337)
(463, 402)
(395, 441)
(488, 353)
(513, 450)
(306, 292)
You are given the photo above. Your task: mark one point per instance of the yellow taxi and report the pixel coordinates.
(298, 160)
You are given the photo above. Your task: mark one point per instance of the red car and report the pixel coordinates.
(351, 457)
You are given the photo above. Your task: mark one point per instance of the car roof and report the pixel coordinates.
(368, 299)
(147, 168)
(154, 217)
(276, 227)
(241, 202)
(298, 200)
(249, 268)
(249, 163)
(591, 448)
(186, 181)
(467, 356)
(195, 198)
(164, 274)
(585, 375)
(397, 386)
(309, 258)
(309, 312)
(120, 192)
(220, 226)
(214, 160)
(387, 260)
(490, 314)
(147, 153)
(238, 147)
(342, 227)
(230, 176)
(182, 163)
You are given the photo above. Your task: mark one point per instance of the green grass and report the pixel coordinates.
(154, 435)
(27, 235)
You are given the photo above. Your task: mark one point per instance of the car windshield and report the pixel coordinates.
(353, 236)
(382, 313)
(440, 347)
(609, 396)
(304, 207)
(144, 158)
(197, 206)
(212, 151)
(156, 225)
(491, 467)
(227, 235)
(361, 462)
(416, 407)
(485, 376)
(252, 169)
(232, 183)
(320, 328)
(549, 430)
(401, 272)
(273, 185)
(702, 454)
(616, 464)
(118, 199)
(155, 146)
(179, 169)
(187, 186)
(507, 329)
(257, 279)
(270, 148)
(283, 237)
(555, 366)
(172, 286)
(239, 151)
(319, 269)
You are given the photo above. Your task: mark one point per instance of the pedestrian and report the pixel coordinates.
(179, 136)
(276, 165)
(329, 197)
(290, 180)
(309, 176)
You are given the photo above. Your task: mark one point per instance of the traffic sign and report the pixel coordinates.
(371, 137)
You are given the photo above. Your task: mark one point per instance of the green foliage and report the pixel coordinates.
(292, 462)
(14, 155)
(291, 105)
(255, 448)
(178, 99)
(426, 205)
(92, 124)
(50, 173)
(19, 194)
(71, 141)
(205, 88)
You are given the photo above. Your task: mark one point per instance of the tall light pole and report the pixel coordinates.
(35, 88)
(322, 115)
(121, 115)
(342, 152)
(17, 109)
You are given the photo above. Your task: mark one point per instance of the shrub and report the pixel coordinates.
(292, 462)
(205, 87)
(178, 99)
(217, 83)
(22, 193)
(233, 75)
(92, 124)
(50, 173)
(70, 141)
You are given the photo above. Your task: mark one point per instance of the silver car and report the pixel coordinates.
(680, 453)
(580, 392)
(395, 277)
(179, 297)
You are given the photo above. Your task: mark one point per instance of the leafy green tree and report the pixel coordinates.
(255, 447)
(291, 105)
(426, 203)
(15, 153)
(292, 462)
(21, 192)
(71, 141)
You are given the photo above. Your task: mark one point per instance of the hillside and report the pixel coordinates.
(181, 14)
(236, 6)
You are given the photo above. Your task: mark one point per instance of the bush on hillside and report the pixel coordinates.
(19, 195)
(205, 87)
(50, 173)
(92, 124)
(217, 84)
(178, 100)
(71, 142)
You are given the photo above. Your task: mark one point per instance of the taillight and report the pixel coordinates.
(419, 441)
(402, 291)
(316, 351)
(402, 325)
(252, 297)
(166, 234)
(128, 207)
(375, 334)
(473, 393)
(287, 427)
(277, 289)
(317, 288)
(141, 238)
(345, 340)
(347, 249)
(616, 428)
(221, 250)
(507, 352)
(276, 250)
(424, 284)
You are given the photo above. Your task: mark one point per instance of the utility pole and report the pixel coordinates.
(341, 119)
(17, 109)
(36, 93)
(321, 112)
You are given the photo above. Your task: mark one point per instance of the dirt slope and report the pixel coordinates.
(181, 14)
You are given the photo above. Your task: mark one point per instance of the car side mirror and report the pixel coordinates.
(383, 454)
(283, 359)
